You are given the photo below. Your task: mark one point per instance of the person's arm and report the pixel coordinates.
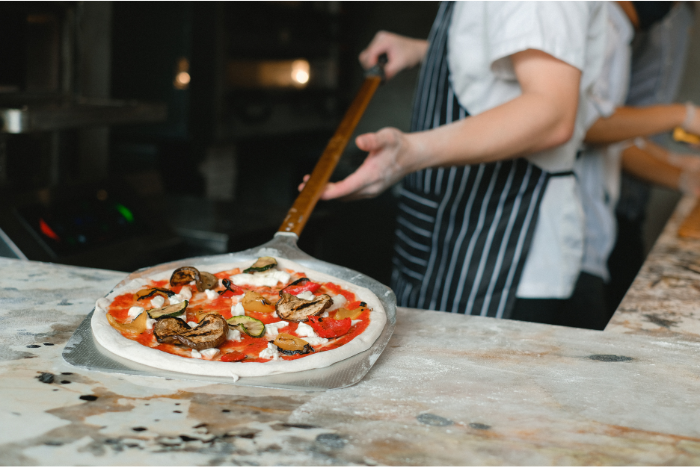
(402, 52)
(542, 117)
(631, 122)
(650, 163)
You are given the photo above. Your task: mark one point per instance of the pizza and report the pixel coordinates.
(238, 319)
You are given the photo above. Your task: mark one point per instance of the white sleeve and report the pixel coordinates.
(559, 29)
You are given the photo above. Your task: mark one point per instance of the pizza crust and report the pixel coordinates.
(112, 340)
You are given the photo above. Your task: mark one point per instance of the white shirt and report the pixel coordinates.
(598, 169)
(483, 78)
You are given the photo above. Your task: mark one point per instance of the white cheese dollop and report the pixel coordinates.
(306, 295)
(316, 341)
(192, 324)
(304, 330)
(185, 293)
(268, 278)
(234, 335)
(209, 353)
(211, 294)
(272, 329)
(338, 302)
(175, 299)
(195, 354)
(355, 321)
(270, 352)
(238, 297)
(237, 310)
(157, 301)
(325, 314)
(134, 311)
(150, 323)
(274, 314)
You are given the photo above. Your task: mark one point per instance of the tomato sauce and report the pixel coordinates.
(199, 305)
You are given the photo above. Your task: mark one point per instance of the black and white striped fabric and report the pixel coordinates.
(463, 233)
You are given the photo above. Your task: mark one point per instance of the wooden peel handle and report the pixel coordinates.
(309, 196)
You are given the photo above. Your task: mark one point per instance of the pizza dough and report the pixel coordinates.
(112, 340)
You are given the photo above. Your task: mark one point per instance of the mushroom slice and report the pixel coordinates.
(292, 308)
(211, 332)
(262, 264)
(209, 281)
(166, 330)
(187, 274)
(290, 345)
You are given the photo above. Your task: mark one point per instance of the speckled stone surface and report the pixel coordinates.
(449, 389)
(664, 299)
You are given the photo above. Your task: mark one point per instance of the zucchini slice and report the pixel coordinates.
(262, 264)
(251, 326)
(170, 311)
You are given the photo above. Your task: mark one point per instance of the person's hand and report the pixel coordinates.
(689, 183)
(402, 52)
(691, 124)
(689, 162)
(381, 169)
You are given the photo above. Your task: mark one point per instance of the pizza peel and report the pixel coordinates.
(84, 352)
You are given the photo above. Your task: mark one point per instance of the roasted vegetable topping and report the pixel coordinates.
(251, 326)
(152, 292)
(262, 264)
(137, 326)
(234, 356)
(211, 332)
(329, 327)
(253, 301)
(187, 274)
(292, 308)
(290, 345)
(209, 281)
(170, 310)
(230, 289)
(301, 285)
(343, 313)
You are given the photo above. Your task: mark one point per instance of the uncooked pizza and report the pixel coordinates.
(241, 319)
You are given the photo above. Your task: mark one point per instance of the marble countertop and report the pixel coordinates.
(449, 389)
(664, 299)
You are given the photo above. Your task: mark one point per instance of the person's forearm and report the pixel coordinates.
(504, 132)
(647, 167)
(630, 122)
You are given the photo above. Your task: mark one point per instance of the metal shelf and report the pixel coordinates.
(27, 114)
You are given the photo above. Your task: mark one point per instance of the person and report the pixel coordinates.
(657, 69)
(609, 148)
(490, 223)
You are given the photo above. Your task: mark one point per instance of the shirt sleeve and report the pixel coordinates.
(559, 29)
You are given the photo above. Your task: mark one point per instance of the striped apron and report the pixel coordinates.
(463, 232)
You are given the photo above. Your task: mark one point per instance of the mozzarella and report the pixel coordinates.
(175, 299)
(157, 301)
(185, 293)
(234, 335)
(338, 302)
(306, 295)
(268, 278)
(272, 329)
(316, 341)
(270, 352)
(211, 294)
(237, 310)
(209, 353)
(149, 323)
(134, 311)
(192, 324)
(304, 330)
(195, 354)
